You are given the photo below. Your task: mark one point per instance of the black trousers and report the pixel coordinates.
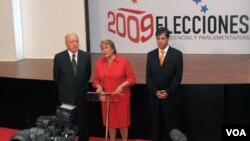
(165, 117)
(81, 117)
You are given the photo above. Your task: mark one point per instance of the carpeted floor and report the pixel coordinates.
(6, 133)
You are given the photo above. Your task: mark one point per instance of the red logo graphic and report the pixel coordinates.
(134, 1)
(137, 26)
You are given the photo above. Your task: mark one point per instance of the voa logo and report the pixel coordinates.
(236, 132)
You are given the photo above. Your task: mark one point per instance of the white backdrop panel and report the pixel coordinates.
(198, 27)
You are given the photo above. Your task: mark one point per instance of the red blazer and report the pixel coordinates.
(110, 77)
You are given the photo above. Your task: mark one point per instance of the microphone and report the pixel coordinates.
(177, 135)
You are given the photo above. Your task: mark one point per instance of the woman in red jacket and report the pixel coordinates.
(114, 74)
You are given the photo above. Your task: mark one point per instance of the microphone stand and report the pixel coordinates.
(107, 112)
(107, 117)
(107, 98)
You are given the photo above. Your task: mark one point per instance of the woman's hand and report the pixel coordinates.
(99, 89)
(119, 90)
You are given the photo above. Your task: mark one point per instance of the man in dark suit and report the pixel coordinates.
(72, 80)
(163, 77)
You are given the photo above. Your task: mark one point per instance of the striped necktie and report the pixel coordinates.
(74, 64)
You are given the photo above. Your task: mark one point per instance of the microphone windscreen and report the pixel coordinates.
(177, 135)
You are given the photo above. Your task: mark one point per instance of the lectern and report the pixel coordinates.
(105, 97)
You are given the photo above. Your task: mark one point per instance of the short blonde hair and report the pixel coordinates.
(109, 42)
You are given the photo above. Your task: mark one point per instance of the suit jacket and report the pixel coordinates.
(69, 87)
(166, 77)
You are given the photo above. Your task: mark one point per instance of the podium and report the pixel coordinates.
(104, 97)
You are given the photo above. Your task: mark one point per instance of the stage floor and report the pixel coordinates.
(198, 69)
(7, 133)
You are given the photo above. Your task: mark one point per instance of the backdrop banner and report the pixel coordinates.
(197, 26)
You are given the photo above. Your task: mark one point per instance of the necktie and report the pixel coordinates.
(74, 64)
(161, 57)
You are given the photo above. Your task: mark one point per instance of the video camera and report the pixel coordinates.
(58, 127)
